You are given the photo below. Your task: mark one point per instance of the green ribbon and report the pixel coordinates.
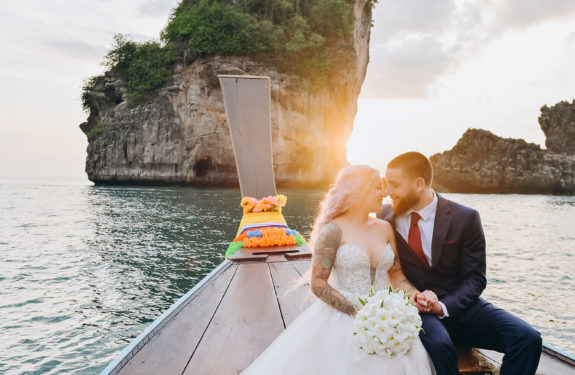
(299, 239)
(234, 246)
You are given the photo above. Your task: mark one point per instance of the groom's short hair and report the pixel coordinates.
(414, 164)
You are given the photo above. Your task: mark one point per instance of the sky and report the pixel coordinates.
(436, 69)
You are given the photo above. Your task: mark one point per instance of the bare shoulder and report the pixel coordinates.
(382, 226)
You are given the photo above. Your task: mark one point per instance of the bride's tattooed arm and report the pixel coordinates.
(395, 274)
(325, 250)
(424, 301)
(399, 280)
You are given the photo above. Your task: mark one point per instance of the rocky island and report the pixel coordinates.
(157, 115)
(482, 162)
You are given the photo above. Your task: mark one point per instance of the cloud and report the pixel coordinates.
(157, 8)
(414, 42)
(417, 42)
(395, 18)
(525, 13)
(409, 67)
(570, 42)
(76, 48)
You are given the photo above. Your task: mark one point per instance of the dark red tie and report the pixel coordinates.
(414, 238)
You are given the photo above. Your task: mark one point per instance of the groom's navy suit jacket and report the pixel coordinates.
(457, 273)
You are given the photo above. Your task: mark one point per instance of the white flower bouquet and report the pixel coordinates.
(386, 324)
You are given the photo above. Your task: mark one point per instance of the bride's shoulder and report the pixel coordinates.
(331, 226)
(382, 226)
(330, 232)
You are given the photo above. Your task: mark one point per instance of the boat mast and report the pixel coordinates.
(247, 102)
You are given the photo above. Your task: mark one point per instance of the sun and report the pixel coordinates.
(373, 140)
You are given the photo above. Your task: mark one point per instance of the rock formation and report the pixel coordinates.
(558, 124)
(181, 135)
(482, 162)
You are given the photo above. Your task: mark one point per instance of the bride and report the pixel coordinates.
(357, 251)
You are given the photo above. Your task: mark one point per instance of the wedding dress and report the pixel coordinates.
(320, 339)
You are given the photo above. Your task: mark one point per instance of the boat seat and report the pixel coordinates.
(472, 362)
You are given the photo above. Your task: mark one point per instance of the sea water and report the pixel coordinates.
(84, 269)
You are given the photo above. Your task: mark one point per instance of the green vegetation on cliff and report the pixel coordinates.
(144, 66)
(299, 37)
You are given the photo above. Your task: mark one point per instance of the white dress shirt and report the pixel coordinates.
(425, 224)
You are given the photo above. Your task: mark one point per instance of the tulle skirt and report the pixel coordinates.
(320, 341)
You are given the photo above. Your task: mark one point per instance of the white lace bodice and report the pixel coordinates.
(351, 271)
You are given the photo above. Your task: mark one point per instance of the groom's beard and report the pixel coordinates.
(401, 205)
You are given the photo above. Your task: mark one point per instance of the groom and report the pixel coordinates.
(442, 248)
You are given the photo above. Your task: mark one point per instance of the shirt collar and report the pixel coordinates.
(427, 211)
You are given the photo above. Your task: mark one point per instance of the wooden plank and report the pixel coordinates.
(261, 253)
(246, 322)
(293, 299)
(278, 249)
(548, 365)
(302, 266)
(247, 103)
(559, 354)
(304, 251)
(168, 351)
(299, 255)
(276, 258)
(241, 256)
(471, 362)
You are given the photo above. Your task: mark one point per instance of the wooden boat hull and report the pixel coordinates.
(234, 313)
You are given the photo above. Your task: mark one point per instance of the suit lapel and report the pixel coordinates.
(440, 227)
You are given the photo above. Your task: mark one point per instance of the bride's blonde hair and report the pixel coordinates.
(350, 187)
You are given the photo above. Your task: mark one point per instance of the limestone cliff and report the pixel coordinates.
(482, 162)
(181, 135)
(558, 124)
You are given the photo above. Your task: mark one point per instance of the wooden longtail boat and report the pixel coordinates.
(224, 322)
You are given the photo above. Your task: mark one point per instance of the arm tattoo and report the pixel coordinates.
(404, 284)
(325, 250)
(409, 289)
(407, 286)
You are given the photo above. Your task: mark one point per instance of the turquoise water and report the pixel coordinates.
(84, 269)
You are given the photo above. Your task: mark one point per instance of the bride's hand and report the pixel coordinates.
(418, 300)
(427, 296)
(427, 301)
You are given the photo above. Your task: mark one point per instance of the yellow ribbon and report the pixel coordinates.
(273, 217)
